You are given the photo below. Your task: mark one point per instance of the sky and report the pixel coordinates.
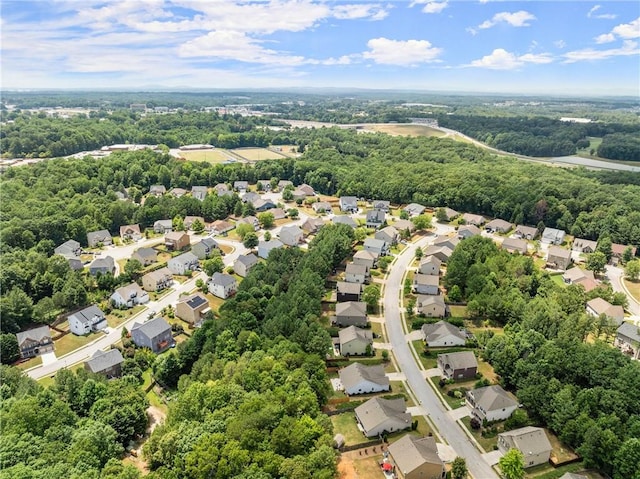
(556, 47)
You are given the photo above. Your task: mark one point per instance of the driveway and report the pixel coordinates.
(492, 457)
(447, 428)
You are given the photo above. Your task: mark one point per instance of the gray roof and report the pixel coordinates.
(152, 328)
(446, 240)
(553, 234)
(68, 248)
(472, 219)
(430, 259)
(129, 291)
(345, 220)
(107, 262)
(459, 360)
(468, 230)
(87, 314)
(159, 274)
(516, 244)
(499, 224)
(375, 216)
(571, 475)
(491, 398)
(199, 189)
(35, 334)
(102, 360)
(426, 279)
(381, 204)
(351, 333)
(529, 440)
(98, 236)
(157, 188)
(348, 288)
(273, 243)
(435, 331)
(365, 254)
(248, 259)
(210, 242)
(356, 372)
(410, 452)
(187, 257)
(559, 252)
(352, 308)
(223, 279)
(414, 208)
(291, 229)
(163, 223)
(378, 410)
(428, 300)
(358, 269)
(602, 306)
(630, 330)
(527, 230)
(194, 301)
(350, 201)
(374, 243)
(404, 224)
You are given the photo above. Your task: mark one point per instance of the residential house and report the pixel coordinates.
(490, 403)
(365, 258)
(467, 231)
(265, 184)
(129, 296)
(414, 209)
(282, 184)
(69, 249)
(471, 219)
(250, 197)
(87, 320)
(192, 308)
(450, 213)
(558, 258)
(146, 256)
(349, 204)
(380, 416)
(155, 335)
(553, 236)
(220, 227)
(157, 190)
(404, 225)
(425, 284)
(584, 245)
(525, 232)
(532, 442)
(34, 342)
(443, 253)
(358, 378)
(628, 339)
(249, 220)
(515, 245)
(177, 192)
(375, 218)
(263, 204)
(344, 220)
(75, 264)
(106, 363)
(278, 213)
(416, 458)
(163, 226)
(443, 334)
(449, 241)
(157, 280)
(97, 238)
(351, 313)
(304, 190)
(222, 189)
(387, 234)
(222, 285)
(312, 225)
(265, 247)
(189, 220)
(176, 241)
(321, 207)
(103, 266)
(199, 192)
(498, 226)
(355, 341)
(431, 306)
(291, 235)
(183, 264)
(617, 251)
(460, 365)
(376, 246)
(576, 275)
(204, 248)
(130, 232)
(598, 306)
(348, 291)
(244, 263)
(241, 186)
(381, 205)
(356, 273)
(429, 265)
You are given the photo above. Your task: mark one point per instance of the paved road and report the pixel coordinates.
(447, 427)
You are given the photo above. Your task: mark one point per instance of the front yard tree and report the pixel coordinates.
(512, 465)
(604, 246)
(178, 223)
(627, 254)
(9, 349)
(293, 213)
(360, 234)
(597, 262)
(250, 240)
(632, 270)
(371, 296)
(133, 268)
(459, 468)
(266, 220)
(197, 226)
(243, 229)
(213, 265)
(441, 215)
(422, 222)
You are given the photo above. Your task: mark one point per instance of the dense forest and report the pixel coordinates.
(586, 392)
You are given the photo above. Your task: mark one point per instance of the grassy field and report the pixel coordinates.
(634, 288)
(30, 363)
(345, 424)
(208, 156)
(258, 154)
(117, 317)
(594, 143)
(71, 342)
(458, 311)
(405, 130)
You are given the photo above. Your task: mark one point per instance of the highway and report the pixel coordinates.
(446, 426)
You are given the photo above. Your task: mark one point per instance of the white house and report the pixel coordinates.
(244, 263)
(379, 415)
(354, 341)
(430, 265)
(222, 285)
(376, 246)
(553, 236)
(425, 284)
(355, 273)
(490, 403)
(349, 204)
(87, 320)
(388, 234)
(532, 442)
(129, 296)
(183, 263)
(265, 247)
(443, 333)
(291, 235)
(358, 378)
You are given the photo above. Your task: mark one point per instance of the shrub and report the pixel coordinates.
(442, 382)
(475, 424)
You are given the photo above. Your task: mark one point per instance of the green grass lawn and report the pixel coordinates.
(557, 279)
(377, 329)
(117, 317)
(488, 444)
(634, 288)
(30, 363)
(458, 311)
(71, 342)
(345, 424)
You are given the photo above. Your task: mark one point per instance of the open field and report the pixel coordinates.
(257, 154)
(209, 156)
(405, 130)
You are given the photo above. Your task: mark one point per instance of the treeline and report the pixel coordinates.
(542, 136)
(620, 146)
(586, 392)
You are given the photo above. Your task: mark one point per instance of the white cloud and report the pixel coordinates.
(363, 10)
(605, 38)
(500, 59)
(626, 31)
(515, 19)
(628, 48)
(397, 52)
(603, 16)
(431, 6)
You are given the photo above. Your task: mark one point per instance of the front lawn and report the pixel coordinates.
(71, 342)
(30, 363)
(119, 316)
(487, 443)
(633, 287)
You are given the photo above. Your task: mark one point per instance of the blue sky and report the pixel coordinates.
(558, 47)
